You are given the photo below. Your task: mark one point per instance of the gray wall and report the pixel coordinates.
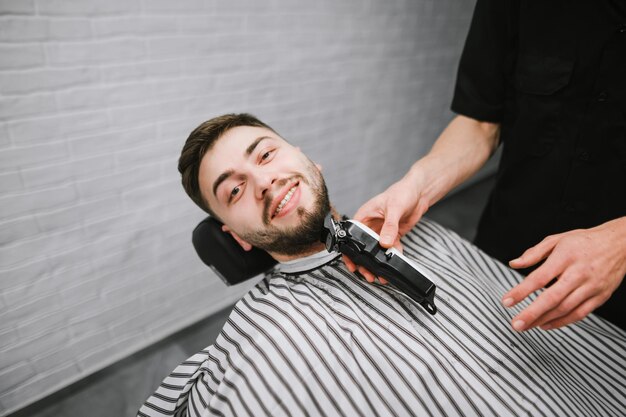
(96, 99)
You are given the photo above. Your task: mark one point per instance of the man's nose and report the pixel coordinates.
(264, 182)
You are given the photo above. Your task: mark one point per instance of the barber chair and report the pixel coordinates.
(223, 254)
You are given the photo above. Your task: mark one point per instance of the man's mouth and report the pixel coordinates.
(284, 200)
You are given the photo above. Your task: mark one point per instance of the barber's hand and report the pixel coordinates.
(589, 265)
(391, 214)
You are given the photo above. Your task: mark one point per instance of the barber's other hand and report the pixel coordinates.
(391, 214)
(589, 265)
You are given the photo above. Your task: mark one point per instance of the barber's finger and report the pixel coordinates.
(536, 253)
(535, 280)
(349, 264)
(389, 232)
(547, 301)
(578, 314)
(369, 277)
(570, 303)
(366, 274)
(366, 211)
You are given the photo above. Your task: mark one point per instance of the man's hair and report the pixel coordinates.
(199, 142)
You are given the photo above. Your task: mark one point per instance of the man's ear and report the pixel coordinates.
(245, 245)
(319, 167)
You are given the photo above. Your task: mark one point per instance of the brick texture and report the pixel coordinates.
(96, 99)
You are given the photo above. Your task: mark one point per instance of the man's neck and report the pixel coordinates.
(314, 248)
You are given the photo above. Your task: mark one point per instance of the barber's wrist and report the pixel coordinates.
(617, 231)
(415, 176)
(418, 177)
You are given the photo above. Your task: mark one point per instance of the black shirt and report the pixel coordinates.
(553, 74)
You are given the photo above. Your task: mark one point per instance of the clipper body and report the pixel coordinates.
(360, 243)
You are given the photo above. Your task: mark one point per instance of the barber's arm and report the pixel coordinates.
(589, 264)
(461, 150)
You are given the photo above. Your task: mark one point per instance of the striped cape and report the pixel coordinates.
(312, 339)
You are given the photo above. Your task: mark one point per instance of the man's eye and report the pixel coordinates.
(266, 155)
(233, 196)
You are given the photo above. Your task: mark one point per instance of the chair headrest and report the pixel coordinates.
(222, 253)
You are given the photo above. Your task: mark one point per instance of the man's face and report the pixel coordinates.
(264, 190)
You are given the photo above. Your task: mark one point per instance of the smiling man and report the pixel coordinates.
(266, 192)
(313, 339)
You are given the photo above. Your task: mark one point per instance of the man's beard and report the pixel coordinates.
(297, 239)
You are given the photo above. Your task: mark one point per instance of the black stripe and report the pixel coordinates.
(157, 408)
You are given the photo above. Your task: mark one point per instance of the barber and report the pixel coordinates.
(547, 81)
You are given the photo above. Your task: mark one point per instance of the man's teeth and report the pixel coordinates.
(285, 200)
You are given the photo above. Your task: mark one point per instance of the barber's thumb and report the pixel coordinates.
(388, 234)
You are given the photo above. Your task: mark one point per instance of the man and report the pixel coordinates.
(546, 80)
(312, 339)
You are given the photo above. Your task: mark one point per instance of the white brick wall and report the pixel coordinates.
(96, 100)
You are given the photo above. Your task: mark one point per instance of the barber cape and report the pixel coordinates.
(313, 339)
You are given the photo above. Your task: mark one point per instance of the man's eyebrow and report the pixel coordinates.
(221, 179)
(254, 144)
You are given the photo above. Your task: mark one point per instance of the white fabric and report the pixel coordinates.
(326, 343)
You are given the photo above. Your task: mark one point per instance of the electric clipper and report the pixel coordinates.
(360, 243)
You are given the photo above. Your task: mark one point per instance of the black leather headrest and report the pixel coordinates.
(222, 253)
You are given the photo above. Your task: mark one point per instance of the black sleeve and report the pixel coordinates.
(485, 66)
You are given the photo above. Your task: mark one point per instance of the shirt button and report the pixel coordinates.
(583, 156)
(622, 28)
(603, 96)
